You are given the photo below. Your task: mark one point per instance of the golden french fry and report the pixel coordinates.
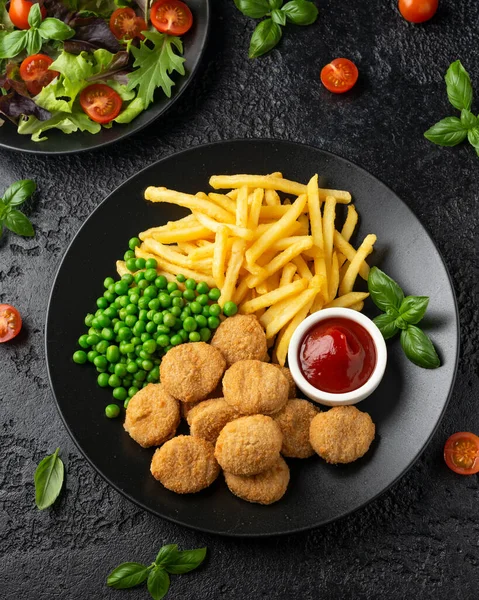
(333, 281)
(171, 225)
(348, 300)
(320, 269)
(187, 234)
(349, 252)
(291, 310)
(314, 207)
(274, 296)
(232, 272)
(329, 216)
(343, 270)
(255, 208)
(273, 213)
(350, 223)
(186, 247)
(271, 198)
(272, 283)
(242, 208)
(121, 268)
(302, 267)
(286, 242)
(223, 201)
(166, 252)
(219, 256)
(358, 306)
(242, 292)
(282, 343)
(233, 194)
(350, 276)
(213, 225)
(287, 275)
(201, 252)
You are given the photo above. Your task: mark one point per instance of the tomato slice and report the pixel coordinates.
(10, 322)
(339, 76)
(19, 11)
(125, 25)
(100, 102)
(35, 72)
(171, 16)
(461, 453)
(418, 11)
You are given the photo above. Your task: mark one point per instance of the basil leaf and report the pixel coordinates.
(419, 348)
(158, 583)
(253, 8)
(12, 43)
(401, 323)
(19, 191)
(48, 479)
(54, 29)
(3, 209)
(265, 37)
(468, 120)
(384, 291)
(35, 16)
(127, 575)
(300, 12)
(17, 222)
(34, 40)
(167, 554)
(187, 561)
(473, 137)
(477, 150)
(459, 88)
(278, 16)
(386, 326)
(275, 4)
(413, 308)
(448, 132)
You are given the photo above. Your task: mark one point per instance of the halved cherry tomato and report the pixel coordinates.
(171, 16)
(461, 453)
(10, 322)
(34, 72)
(125, 25)
(19, 11)
(100, 102)
(339, 76)
(418, 11)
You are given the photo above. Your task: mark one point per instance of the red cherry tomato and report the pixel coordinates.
(339, 76)
(461, 453)
(34, 72)
(418, 11)
(171, 16)
(100, 102)
(10, 322)
(19, 11)
(125, 25)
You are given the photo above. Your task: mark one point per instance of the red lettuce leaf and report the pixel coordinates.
(14, 105)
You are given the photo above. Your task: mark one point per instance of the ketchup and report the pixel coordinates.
(337, 355)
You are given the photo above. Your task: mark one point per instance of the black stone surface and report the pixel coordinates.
(420, 539)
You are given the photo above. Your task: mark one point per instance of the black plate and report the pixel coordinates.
(406, 407)
(62, 143)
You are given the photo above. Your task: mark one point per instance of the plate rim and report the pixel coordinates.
(298, 530)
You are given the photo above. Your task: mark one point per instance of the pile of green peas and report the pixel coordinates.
(138, 319)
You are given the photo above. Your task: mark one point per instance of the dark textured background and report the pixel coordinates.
(420, 539)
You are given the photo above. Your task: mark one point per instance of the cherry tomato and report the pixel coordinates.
(171, 16)
(19, 11)
(34, 72)
(10, 322)
(339, 76)
(100, 102)
(125, 25)
(418, 11)
(461, 453)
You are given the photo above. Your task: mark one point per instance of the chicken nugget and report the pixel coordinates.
(249, 445)
(342, 434)
(208, 418)
(152, 416)
(185, 464)
(264, 488)
(292, 392)
(294, 421)
(190, 372)
(240, 338)
(254, 387)
(187, 407)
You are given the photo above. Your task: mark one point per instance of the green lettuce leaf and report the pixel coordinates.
(5, 23)
(66, 122)
(131, 111)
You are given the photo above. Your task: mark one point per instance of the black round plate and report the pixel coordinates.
(406, 407)
(61, 143)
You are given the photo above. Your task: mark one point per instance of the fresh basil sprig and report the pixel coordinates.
(451, 131)
(268, 33)
(402, 314)
(48, 480)
(168, 560)
(10, 217)
(31, 39)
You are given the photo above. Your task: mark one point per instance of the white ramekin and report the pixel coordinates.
(328, 398)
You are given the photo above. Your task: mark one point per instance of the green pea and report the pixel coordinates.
(168, 348)
(230, 309)
(88, 319)
(117, 302)
(111, 369)
(190, 324)
(151, 327)
(135, 340)
(214, 294)
(175, 311)
(161, 282)
(79, 357)
(169, 320)
(134, 298)
(125, 334)
(130, 320)
(114, 381)
(165, 300)
(194, 336)
(158, 318)
(202, 287)
(150, 274)
(127, 381)
(154, 304)
(140, 376)
(215, 310)
(163, 329)
(100, 362)
(107, 282)
(112, 411)
(102, 346)
(201, 320)
(183, 335)
(131, 367)
(144, 355)
(163, 340)
(109, 296)
(124, 301)
(178, 302)
(121, 287)
(133, 243)
(102, 302)
(140, 263)
(151, 291)
(92, 339)
(205, 334)
(196, 308)
(206, 311)
(110, 312)
(107, 334)
(203, 299)
(83, 341)
(144, 337)
(138, 276)
(131, 309)
(120, 370)
(176, 294)
(128, 278)
(151, 263)
(176, 340)
(189, 295)
(142, 285)
(102, 380)
(129, 349)
(132, 391)
(190, 284)
(143, 303)
(181, 278)
(128, 254)
(139, 328)
(113, 354)
(213, 322)
(147, 364)
(171, 286)
(153, 375)
(92, 355)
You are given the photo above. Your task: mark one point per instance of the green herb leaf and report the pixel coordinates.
(473, 137)
(386, 325)
(278, 16)
(54, 29)
(459, 88)
(168, 553)
(127, 575)
(413, 308)
(3, 210)
(300, 12)
(19, 191)
(419, 348)
(158, 583)
(468, 120)
(253, 8)
(275, 4)
(35, 16)
(13, 43)
(384, 291)
(34, 40)
(17, 222)
(48, 479)
(448, 132)
(187, 561)
(265, 37)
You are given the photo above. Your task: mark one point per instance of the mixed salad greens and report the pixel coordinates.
(80, 65)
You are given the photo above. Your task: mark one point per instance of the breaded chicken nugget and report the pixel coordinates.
(191, 371)
(185, 464)
(187, 407)
(292, 392)
(152, 416)
(240, 338)
(294, 421)
(264, 488)
(254, 387)
(208, 418)
(342, 434)
(249, 445)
